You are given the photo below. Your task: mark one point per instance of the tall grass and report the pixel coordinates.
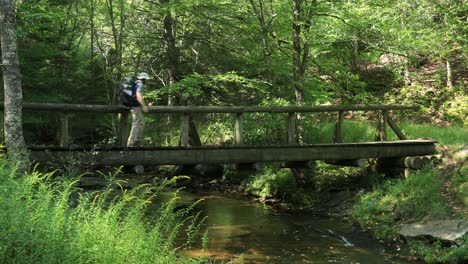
(45, 220)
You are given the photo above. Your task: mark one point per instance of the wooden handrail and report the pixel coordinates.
(212, 109)
(186, 111)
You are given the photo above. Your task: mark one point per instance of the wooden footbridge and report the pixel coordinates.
(289, 151)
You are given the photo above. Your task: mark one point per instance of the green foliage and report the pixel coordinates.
(327, 176)
(460, 184)
(437, 253)
(403, 199)
(414, 95)
(274, 182)
(46, 219)
(222, 89)
(455, 107)
(272, 129)
(271, 183)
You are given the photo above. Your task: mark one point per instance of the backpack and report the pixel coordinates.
(127, 93)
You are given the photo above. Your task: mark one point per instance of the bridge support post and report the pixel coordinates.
(339, 128)
(291, 128)
(238, 130)
(384, 125)
(123, 129)
(64, 130)
(381, 134)
(184, 130)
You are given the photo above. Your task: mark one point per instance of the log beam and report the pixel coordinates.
(236, 154)
(52, 107)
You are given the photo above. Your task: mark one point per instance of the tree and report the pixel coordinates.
(17, 153)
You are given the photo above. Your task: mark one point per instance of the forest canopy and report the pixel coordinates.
(300, 51)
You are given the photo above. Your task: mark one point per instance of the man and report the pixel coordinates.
(138, 122)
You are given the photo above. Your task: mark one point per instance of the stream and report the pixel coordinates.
(243, 231)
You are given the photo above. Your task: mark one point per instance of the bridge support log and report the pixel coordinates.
(255, 166)
(413, 162)
(310, 164)
(361, 163)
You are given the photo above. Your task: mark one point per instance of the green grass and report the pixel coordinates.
(361, 131)
(46, 220)
(454, 136)
(402, 200)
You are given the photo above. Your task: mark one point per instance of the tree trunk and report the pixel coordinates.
(172, 60)
(265, 20)
(297, 51)
(116, 59)
(17, 152)
(449, 75)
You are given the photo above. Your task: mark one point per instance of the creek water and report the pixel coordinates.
(243, 231)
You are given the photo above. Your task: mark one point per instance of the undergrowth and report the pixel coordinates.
(48, 219)
(416, 198)
(410, 199)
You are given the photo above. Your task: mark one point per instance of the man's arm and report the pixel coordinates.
(139, 97)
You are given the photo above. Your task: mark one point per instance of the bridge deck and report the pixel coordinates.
(232, 154)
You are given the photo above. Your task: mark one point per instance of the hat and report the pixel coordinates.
(143, 75)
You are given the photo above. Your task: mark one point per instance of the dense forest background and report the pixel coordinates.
(247, 52)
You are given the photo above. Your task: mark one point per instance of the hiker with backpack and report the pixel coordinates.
(131, 95)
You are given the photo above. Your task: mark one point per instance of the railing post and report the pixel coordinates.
(184, 130)
(238, 130)
(339, 128)
(64, 130)
(381, 134)
(384, 125)
(292, 128)
(123, 128)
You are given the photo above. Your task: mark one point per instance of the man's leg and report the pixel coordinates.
(137, 127)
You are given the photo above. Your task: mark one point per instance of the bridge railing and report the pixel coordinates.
(185, 112)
